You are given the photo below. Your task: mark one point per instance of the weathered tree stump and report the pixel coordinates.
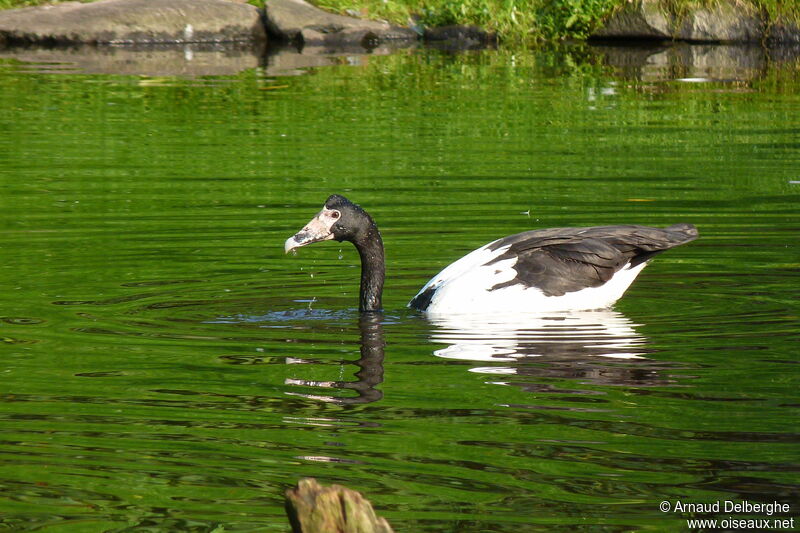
(313, 508)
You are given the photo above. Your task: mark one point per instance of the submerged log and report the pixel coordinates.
(313, 508)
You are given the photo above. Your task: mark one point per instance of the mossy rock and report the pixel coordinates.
(725, 21)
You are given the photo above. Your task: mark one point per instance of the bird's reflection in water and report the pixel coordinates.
(370, 372)
(595, 347)
(599, 347)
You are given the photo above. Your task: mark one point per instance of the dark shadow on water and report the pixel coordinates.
(180, 60)
(370, 368)
(371, 345)
(692, 62)
(644, 61)
(191, 60)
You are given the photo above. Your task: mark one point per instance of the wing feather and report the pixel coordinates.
(562, 260)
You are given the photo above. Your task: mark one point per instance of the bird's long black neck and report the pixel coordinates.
(373, 269)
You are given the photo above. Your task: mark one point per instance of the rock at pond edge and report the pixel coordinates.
(299, 22)
(727, 21)
(134, 21)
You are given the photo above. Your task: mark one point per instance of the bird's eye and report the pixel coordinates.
(335, 214)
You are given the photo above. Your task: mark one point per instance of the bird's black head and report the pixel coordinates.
(340, 219)
(353, 222)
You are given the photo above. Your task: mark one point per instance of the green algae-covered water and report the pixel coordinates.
(164, 367)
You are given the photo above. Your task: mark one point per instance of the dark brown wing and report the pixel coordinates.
(562, 260)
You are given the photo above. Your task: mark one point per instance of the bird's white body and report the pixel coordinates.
(465, 286)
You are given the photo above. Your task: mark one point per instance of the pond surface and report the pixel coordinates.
(164, 367)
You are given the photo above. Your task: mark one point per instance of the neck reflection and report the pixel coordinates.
(370, 368)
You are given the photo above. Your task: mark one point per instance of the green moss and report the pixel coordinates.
(11, 4)
(772, 10)
(511, 19)
(14, 4)
(526, 20)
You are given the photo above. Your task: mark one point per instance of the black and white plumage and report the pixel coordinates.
(558, 269)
